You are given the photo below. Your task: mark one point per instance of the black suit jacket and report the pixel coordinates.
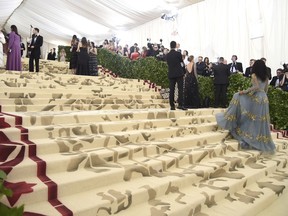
(221, 74)
(248, 72)
(238, 66)
(274, 79)
(36, 51)
(175, 64)
(268, 70)
(200, 67)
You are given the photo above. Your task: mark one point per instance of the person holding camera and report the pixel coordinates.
(275, 82)
(284, 82)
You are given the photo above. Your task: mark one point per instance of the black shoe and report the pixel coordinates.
(172, 108)
(182, 108)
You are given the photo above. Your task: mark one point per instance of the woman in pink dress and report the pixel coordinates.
(14, 50)
(135, 55)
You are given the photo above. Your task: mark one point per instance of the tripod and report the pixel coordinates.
(28, 42)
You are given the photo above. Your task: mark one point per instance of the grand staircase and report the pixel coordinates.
(93, 146)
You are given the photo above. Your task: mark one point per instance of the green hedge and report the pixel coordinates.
(4, 209)
(156, 71)
(278, 106)
(147, 68)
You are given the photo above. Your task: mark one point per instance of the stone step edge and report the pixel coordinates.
(140, 193)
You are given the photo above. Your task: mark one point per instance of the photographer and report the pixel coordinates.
(163, 55)
(154, 49)
(276, 80)
(284, 81)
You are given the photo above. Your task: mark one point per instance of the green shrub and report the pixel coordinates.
(237, 82)
(206, 88)
(147, 68)
(5, 210)
(278, 106)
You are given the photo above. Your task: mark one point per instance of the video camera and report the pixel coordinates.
(285, 67)
(150, 45)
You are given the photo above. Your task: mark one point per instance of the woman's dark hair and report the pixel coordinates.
(260, 70)
(14, 29)
(84, 42)
(92, 44)
(206, 58)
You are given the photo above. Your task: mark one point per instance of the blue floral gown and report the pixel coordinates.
(247, 117)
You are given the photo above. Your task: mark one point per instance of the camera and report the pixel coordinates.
(285, 67)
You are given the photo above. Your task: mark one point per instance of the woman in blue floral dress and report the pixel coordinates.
(247, 117)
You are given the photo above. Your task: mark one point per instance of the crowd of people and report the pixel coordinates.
(219, 71)
(251, 127)
(204, 67)
(83, 59)
(134, 53)
(247, 116)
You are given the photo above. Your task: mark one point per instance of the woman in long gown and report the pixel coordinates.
(73, 49)
(247, 117)
(14, 50)
(82, 58)
(191, 92)
(62, 55)
(93, 65)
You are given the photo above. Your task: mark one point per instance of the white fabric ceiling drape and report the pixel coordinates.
(58, 20)
(213, 28)
(6, 9)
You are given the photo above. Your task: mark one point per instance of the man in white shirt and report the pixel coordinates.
(235, 66)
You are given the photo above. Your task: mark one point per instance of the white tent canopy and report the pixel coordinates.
(58, 20)
(213, 28)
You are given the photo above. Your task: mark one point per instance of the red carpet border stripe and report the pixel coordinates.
(41, 168)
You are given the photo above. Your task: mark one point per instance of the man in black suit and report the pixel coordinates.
(34, 47)
(248, 71)
(50, 55)
(54, 54)
(235, 66)
(268, 69)
(175, 75)
(275, 82)
(200, 65)
(221, 81)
